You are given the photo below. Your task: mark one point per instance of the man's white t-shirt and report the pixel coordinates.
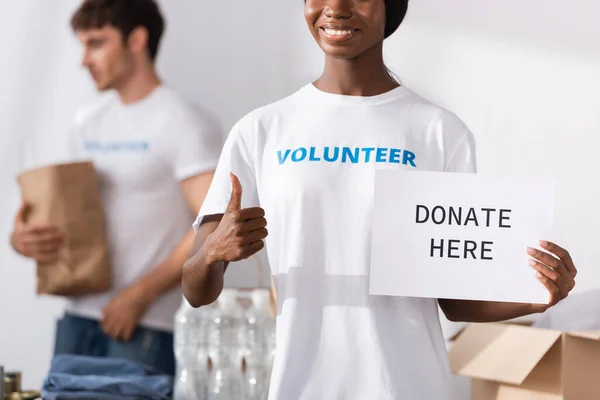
(141, 152)
(309, 161)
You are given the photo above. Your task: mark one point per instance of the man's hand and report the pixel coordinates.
(240, 233)
(123, 313)
(556, 270)
(40, 242)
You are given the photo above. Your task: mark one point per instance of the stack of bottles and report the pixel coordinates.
(225, 351)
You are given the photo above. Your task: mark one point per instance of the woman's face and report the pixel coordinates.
(346, 28)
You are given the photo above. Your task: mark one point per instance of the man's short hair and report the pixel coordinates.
(124, 15)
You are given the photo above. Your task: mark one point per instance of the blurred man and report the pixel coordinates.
(155, 155)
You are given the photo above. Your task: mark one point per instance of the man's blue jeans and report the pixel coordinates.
(82, 336)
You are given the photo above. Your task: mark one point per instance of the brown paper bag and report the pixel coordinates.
(68, 196)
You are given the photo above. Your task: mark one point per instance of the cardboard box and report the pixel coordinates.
(515, 362)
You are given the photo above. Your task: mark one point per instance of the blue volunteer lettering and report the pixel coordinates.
(95, 146)
(347, 155)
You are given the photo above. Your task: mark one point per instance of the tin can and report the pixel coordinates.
(12, 382)
(29, 395)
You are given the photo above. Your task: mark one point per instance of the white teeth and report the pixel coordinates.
(335, 32)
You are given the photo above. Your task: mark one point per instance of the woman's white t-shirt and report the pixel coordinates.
(309, 161)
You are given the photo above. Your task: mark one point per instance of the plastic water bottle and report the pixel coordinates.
(192, 328)
(259, 349)
(225, 349)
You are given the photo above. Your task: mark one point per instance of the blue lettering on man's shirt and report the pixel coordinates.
(352, 155)
(95, 146)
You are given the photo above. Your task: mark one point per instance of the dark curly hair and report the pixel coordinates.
(395, 11)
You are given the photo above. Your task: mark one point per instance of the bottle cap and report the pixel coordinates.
(261, 299)
(228, 298)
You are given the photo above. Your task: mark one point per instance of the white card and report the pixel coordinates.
(459, 236)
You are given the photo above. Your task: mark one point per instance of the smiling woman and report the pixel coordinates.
(356, 28)
(307, 165)
(395, 11)
(347, 30)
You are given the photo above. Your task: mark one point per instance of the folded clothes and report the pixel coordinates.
(99, 378)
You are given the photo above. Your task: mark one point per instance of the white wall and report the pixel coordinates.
(525, 76)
